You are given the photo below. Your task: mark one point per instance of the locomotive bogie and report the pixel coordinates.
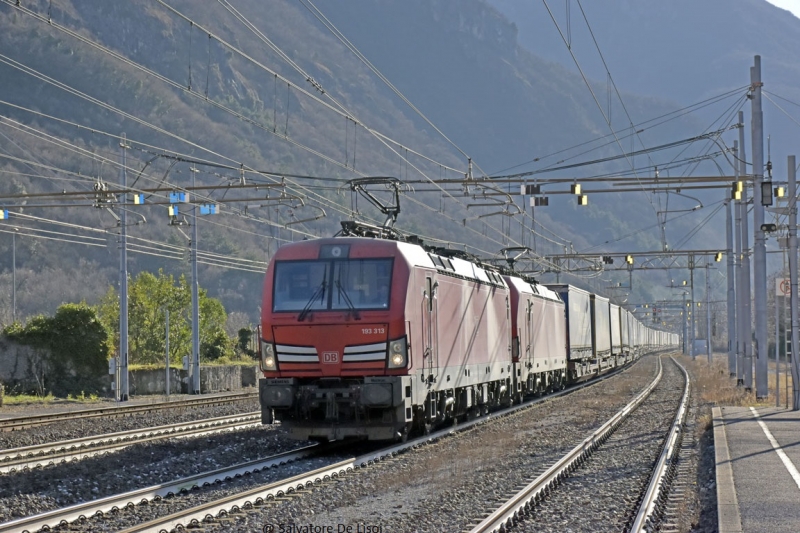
(376, 408)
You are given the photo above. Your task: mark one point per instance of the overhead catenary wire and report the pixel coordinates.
(114, 163)
(350, 46)
(250, 26)
(106, 106)
(157, 249)
(594, 97)
(312, 178)
(640, 128)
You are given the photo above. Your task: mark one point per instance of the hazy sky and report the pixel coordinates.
(791, 5)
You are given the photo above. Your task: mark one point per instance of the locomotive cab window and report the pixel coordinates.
(359, 284)
(299, 284)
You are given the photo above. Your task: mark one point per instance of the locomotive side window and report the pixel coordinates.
(332, 284)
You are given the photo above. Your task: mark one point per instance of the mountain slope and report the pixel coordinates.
(459, 63)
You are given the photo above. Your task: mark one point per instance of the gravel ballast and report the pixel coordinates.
(141, 465)
(446, 485)
(443, 486)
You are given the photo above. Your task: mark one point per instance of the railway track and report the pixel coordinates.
(22, 422)
(222, 509)
(15, 459)
(615, 445)
(113, 513)
(51, 519)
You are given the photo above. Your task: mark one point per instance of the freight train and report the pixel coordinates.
(375, 338)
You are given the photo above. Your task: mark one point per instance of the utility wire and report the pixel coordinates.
(250, 26)
(594, 97)
(640, 128)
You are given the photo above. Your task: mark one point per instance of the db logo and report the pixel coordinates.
(329, 358)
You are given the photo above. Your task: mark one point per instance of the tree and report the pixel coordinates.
(244, 341)
(149, 298)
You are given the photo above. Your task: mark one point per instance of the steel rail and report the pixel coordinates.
(51, 519)
(257, 496)
(14, 459)
(253, 497)
(508, 514)
(651, 507)
(17, 423)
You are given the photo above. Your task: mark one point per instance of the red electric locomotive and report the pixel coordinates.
(367, 338)
(539, 338)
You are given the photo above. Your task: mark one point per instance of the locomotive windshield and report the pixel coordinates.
(361, 284)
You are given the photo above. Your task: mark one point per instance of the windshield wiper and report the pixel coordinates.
(348, 301)
(317, 294)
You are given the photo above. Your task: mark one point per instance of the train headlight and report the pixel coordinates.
(398, 353)
(268, 361)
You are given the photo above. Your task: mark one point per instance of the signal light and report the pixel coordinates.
(768, 228)
(736, 190)
(540, 201)
(766, 193)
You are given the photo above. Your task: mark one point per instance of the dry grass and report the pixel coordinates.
(714, 385)
(717, 388)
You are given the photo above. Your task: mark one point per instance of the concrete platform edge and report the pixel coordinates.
(729, 519)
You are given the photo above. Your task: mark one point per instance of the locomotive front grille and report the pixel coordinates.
(296, 354)
(365, 352)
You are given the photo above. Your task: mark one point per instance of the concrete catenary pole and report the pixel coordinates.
(194, 366)
(708, 313)
(793, 280)
(739, 275)
(759, 240)
(685, 316)
(14, 276)
(166, 353)
(123, 277)
(692, 312)
(746, 327)
(731, 288)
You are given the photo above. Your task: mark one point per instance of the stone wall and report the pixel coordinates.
(212, 379)
(21, 367)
